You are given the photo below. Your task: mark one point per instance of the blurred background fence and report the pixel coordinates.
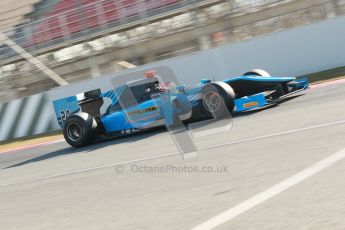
(84, 39)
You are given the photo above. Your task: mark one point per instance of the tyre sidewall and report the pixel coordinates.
(86, 124)
(257, 73)
(224, 110)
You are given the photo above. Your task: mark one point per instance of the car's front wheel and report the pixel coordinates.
(79, 129)
(279, 89)
(217, 100)
(257, 72)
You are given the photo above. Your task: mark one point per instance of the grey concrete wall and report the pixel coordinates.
(299, 51)
(294, 52)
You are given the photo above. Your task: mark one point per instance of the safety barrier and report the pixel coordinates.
(26, 116)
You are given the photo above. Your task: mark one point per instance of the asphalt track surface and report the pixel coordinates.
(98, 187)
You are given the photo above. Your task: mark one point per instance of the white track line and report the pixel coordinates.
(172, 154)
(276, 134)
(89, 169)
(271, 192)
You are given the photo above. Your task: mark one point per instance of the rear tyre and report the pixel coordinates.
(79, 130)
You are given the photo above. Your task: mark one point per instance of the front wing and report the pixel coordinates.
(263, 99)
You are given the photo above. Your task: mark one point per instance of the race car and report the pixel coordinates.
(148, 102)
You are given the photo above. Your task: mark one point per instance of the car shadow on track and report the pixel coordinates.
(94, 147)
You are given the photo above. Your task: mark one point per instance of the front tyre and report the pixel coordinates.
(257, 72)
(217, 100)
(79, 129)
(279, 90)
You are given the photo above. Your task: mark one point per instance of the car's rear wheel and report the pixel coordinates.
(79, 129)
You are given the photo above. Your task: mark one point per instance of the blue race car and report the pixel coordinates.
(148, 102)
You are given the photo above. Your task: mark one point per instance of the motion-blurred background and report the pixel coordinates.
(83, 39)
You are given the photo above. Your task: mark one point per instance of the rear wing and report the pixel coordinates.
(65, 107)
(89, 102)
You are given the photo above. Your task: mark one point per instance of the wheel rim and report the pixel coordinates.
(212, 102)
(74, 131)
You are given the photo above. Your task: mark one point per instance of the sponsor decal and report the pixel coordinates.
(63, 116)
(250, 104)
(142, 115)
(129, 131)
(142, 111)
